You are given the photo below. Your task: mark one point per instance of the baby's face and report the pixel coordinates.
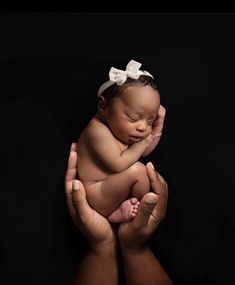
(131, 115)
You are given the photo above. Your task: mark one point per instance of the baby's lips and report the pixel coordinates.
(136, 138)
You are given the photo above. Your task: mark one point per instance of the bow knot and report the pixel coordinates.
(119, 76)
(132, 70)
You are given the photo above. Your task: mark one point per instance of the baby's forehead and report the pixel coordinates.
(137, 88)
(146, 101)
(139, 93)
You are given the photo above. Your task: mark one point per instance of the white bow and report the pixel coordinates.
(119, 76)
(132, 70)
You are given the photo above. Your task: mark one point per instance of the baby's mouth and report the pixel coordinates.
(135, 138)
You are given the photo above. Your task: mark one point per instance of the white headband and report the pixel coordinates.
(119, 76)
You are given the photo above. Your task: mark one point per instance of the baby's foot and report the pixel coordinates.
(125, 212)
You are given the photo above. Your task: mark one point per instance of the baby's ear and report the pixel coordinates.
(101, 104)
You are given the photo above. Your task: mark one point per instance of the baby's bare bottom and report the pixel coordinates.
(107, 197)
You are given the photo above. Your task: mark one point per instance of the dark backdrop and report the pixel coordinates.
(51, 65)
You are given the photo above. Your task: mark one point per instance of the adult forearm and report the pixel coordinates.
(98, 269)
(141, 268)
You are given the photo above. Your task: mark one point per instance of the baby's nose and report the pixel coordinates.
(141, 126)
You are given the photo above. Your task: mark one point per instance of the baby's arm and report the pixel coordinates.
(157, 130)
(106, 150)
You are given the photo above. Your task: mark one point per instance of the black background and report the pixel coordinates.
(51, 65)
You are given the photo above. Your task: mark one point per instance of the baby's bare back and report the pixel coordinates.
(90, 168)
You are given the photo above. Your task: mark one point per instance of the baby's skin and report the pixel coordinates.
(122, 131)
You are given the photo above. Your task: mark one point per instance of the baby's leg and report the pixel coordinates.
(107, 196)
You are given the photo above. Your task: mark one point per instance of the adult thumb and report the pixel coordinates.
(146, 207)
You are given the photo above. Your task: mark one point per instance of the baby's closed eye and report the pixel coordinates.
(132, 118)
(150, 122)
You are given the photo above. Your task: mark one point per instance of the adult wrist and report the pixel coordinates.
(104, 249)
(135, 250)
(133, 247)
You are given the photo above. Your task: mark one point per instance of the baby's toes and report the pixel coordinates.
(133, 214)
(135, 206)
(133, 200)
(135, 210)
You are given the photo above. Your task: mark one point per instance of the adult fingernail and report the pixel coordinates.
(150, 163)
(151, 199)
(76, 185)
(159, 191)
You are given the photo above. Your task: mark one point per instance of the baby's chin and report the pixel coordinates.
(133, 139)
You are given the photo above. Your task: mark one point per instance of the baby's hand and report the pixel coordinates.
(148, 140)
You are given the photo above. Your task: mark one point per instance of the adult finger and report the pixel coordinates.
(69, 177)
(72, 165)
(161, 117)
(156, 180)
(147, 204)
(162, 111)
(79, 199)
(74, 147)
(159, 186)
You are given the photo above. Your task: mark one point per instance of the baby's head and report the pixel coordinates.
(129, 103)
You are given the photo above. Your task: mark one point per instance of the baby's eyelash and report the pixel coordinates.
(132, 118)
(150, 122)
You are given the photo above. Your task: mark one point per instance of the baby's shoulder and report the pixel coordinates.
(96, 129)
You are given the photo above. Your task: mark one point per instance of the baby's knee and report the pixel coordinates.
(138, 169)
(140, 180)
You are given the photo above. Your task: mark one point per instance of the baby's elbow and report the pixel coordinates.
(116, 167)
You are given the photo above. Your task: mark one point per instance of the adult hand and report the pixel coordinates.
(135, 234)
(156, 131)
(101, 256)
(141, 266)
(158, 123)
(93, 225)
